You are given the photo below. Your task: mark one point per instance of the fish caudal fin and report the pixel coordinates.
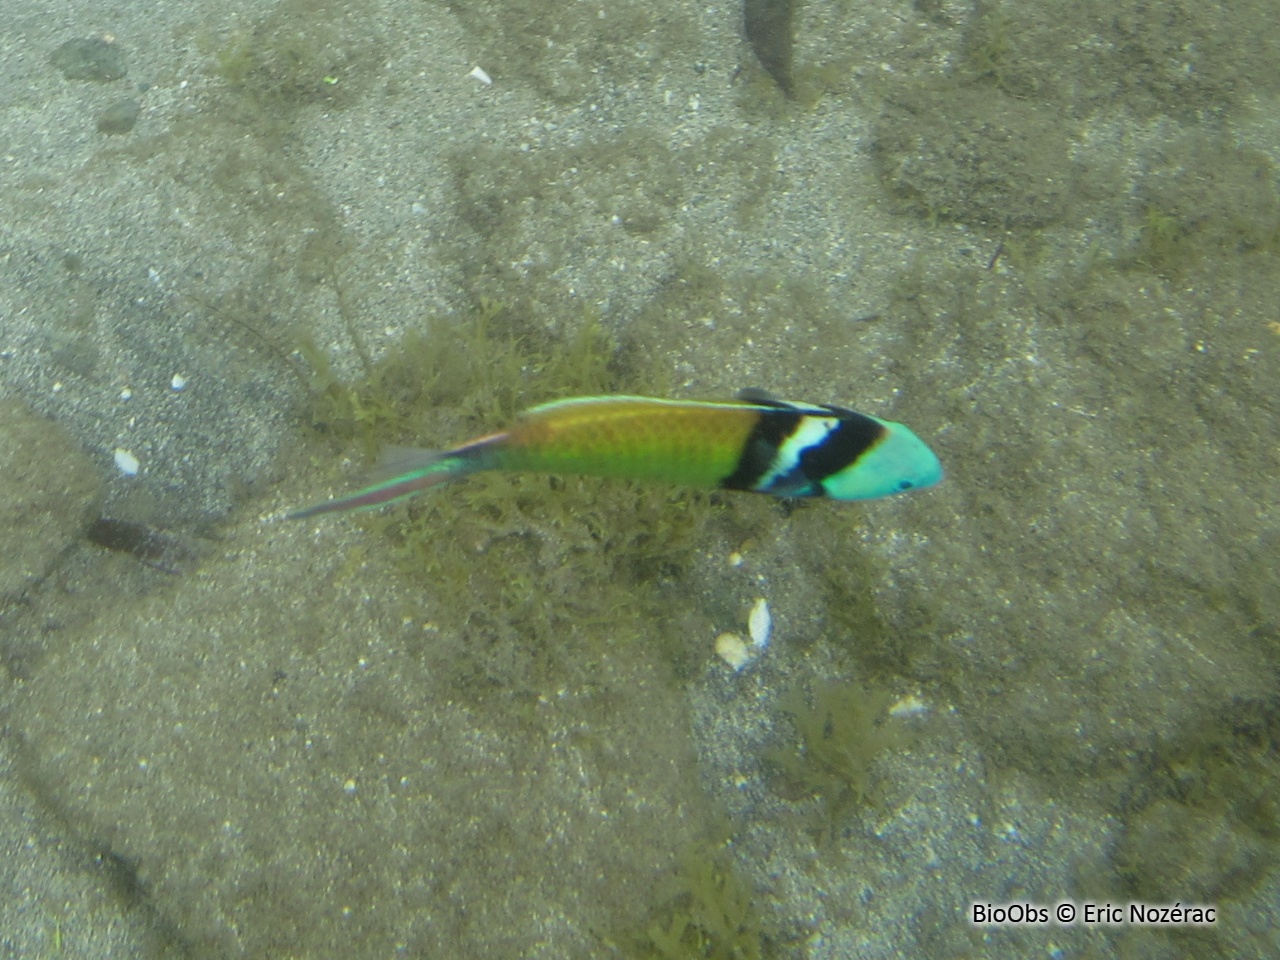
(407, 471)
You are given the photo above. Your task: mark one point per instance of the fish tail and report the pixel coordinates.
(411, 471)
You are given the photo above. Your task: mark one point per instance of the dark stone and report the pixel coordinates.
(90, 59)
(119, 117)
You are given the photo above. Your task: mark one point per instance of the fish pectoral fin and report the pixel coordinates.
(394, 460)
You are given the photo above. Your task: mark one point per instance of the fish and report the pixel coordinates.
(753, 443)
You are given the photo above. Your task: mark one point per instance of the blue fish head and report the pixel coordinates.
(898, 462)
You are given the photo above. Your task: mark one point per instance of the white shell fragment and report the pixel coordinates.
(734, 651)
(908, 706)
(738, 652)
(126, 462)
(760, 624)
(178, 382)
(480, 75)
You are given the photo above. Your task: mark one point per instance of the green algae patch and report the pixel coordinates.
(1181, 58)
(1203, 198)
(709, 915)
(302, 53)
(543, 574)
(842, 730)
(974, 156)
(1206, 825)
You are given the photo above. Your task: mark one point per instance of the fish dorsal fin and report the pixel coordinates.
(761, 398)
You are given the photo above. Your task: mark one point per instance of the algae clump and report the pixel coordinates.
(843, 731)
(533, 575)
(710, 917)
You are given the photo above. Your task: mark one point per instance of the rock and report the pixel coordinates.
(119, 117)
(92, 58)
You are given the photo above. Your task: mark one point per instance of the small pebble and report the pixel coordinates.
(126, 462)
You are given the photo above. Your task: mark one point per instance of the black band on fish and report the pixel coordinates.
(853, 436)
(760, 453)
(790, 453)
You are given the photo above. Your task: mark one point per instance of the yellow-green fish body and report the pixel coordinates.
(754, 443)
(692, 444)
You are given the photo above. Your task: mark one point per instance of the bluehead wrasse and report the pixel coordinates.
(754, 443)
